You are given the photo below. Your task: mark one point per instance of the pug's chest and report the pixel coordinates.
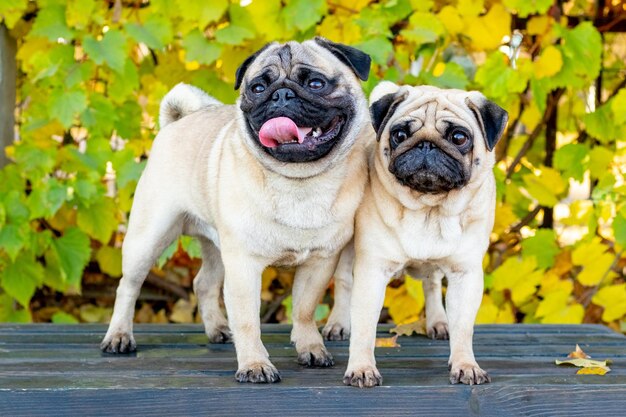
(430, 237)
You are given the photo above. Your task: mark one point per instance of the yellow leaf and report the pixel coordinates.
(505, 218)
(488, 311)
(578, 353)
(487, 32)
(506, 315)
(340, 29)
(584, 363)
(531, 116)
(552, 302)
(451, 20)
(387, 342)
(572, 314)
(520, 276)
(549, 63)
(551, 283)
(408, 329)
(613, 299)
(415, 289)
(538, 25)
(595, 261)
(470, 7)
(439, 69)
(593, 370)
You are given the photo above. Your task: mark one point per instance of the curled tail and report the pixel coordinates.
(181, 101)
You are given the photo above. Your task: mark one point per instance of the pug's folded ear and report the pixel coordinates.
(241, 71)
(491, 118)
(384, 100)
(355, 59)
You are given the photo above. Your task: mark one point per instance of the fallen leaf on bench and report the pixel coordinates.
(417, 327)
(387, 342)
(588, 366)
(578, 354)
(593, 370)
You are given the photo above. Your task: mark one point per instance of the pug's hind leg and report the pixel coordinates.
(310, 282)
(148, 235)
(465, 291)
(436, 319)
(338, 325)
(208, 286)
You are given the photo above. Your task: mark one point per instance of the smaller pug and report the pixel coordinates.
(429, 209)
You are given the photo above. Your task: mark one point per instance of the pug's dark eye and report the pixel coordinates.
(459, 138)
(316, 84)
(397, 137)
(257, 88)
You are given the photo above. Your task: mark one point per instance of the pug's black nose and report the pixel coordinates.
(425, 146)
(282, 96)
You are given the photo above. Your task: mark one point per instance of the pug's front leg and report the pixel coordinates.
(242, 296)
(310, 282)
(368, 294)
(463, 297)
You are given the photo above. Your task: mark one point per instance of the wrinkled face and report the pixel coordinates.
(431, 149)
(299, 101)
(433, 139)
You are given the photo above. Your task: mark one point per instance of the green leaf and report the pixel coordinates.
(453, 76)
(200, 12)
(64, 106)
(61, 317)
(423, 28)
(619, 229)
(583, 44)
(12, 240)
(618, 104)
(498, 79)
(303, 14)
(101, 116)
(16, 210)
(155, 32)
(233, 35)
(73, 251)
(47, 199)
(198, 48)
(600, 124)
(110, 50)
(11, 12)
(545, 187)
(21, 278)
(571, 160)
(379, 48)
(542, 246)
(50, 23)
(599, 160)
(123, 85)
(524, 8)
(110, 260)
(99, 220)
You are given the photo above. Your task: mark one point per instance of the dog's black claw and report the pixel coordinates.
(320, 359)
(261, 373)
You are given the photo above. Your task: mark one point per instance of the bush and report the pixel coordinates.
(92, 73)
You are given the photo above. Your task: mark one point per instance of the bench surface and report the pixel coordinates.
(58, 370)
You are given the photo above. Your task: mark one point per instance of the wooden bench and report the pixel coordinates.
(58, 370)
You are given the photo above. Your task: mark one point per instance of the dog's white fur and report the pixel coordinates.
(431, 234)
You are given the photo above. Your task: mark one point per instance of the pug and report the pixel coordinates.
(429, 208)
(273, 180)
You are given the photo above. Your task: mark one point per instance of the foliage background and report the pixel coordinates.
(91, 74)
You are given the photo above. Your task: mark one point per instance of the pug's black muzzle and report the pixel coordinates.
(333, 120)
(427, 169)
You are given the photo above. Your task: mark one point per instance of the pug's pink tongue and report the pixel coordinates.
(281, 130)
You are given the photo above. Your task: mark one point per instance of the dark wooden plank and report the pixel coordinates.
(48, 370)
(486, 400)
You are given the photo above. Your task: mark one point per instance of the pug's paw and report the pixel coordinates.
(220, 334)
(363, 377)
(118, 342)
(336, 331)
(258, 373)
(438, 331)
(468, 373)
(316, 357)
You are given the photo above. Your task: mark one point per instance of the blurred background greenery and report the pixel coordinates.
(90, 75)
